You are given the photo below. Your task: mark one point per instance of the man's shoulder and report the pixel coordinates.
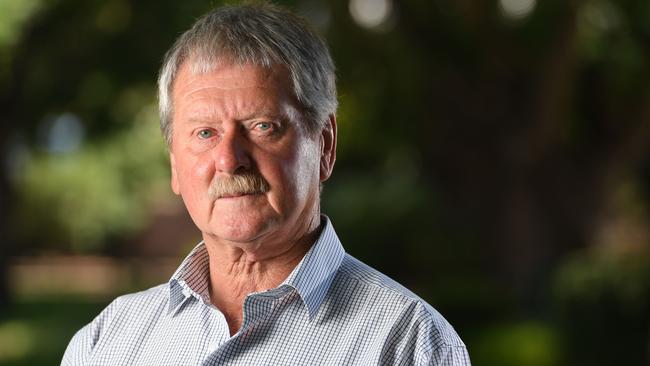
(121, 315)
(146, 297)
(136, 305)
(155, 292)
(385, 295)
(354, 269)
(364, 276)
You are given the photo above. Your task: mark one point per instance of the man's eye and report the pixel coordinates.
(205, 134)
(263, 126)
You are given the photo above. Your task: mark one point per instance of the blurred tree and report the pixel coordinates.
(73, 75)
(519, 127)
(80, 119)
(4, 234)
(14, 16)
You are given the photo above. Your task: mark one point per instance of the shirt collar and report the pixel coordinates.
(311, 278)
(191, 279)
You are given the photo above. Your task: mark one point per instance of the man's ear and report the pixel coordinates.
(328, 148)
(174, 180)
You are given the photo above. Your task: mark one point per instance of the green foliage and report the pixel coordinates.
(15, 15)
(617, 268)
(601, 289)
(527, 343)
(78, 199)
(36, 331)
(592, 276)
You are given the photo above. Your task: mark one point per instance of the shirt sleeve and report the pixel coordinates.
(449, 356)
(422, 337)
(83, 342)
(79, 348)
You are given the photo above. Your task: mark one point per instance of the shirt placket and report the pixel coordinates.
(257, 308)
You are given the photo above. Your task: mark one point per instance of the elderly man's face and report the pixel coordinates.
(239, 120)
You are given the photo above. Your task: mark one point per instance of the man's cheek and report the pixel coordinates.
(197, 173)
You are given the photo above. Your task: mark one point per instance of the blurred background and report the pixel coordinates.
(494, 156)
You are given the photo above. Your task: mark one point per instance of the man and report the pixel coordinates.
(248, 101)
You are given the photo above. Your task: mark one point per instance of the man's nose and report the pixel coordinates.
(231, 153)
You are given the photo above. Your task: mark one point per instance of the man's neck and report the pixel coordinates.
(236, 272)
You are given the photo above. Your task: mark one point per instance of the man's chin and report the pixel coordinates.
(241, 225)
(241, 234)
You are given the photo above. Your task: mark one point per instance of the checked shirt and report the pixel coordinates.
(331, 310)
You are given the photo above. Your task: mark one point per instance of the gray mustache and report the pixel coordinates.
(233, 185)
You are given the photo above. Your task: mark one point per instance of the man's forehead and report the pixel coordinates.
(199, 95)
(228, 76)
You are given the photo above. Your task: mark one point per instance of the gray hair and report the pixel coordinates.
(259, 34)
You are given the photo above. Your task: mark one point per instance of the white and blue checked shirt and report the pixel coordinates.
(331, 310)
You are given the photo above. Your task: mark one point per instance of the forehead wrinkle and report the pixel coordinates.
(261, 78)
(211, 90)
(216, 88)
(207, 97)
(205, 108)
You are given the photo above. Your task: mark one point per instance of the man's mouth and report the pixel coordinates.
(238, 194)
